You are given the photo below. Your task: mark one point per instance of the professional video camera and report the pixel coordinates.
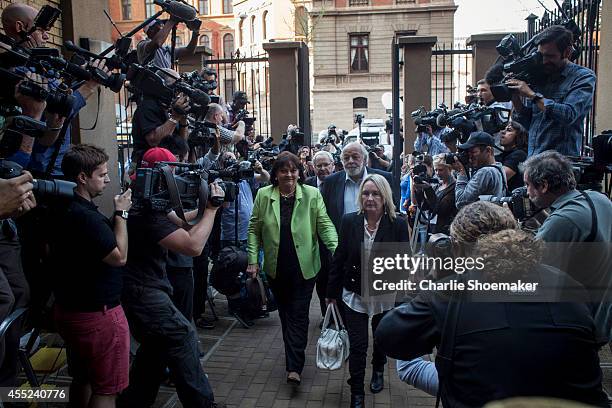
(42, 188)
(195, 80)
(249, 121)
(292, 141)
(423, 118)
(202, 134)
(589, 171)
(526, 63)
(522, 208)
(463, 119)
(114, 82)
(266, 154)
(159, 189)
(147, 81)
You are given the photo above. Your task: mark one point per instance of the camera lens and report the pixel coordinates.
(57, 188)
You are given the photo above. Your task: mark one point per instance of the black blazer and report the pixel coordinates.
(311, 181)
(346, 265)
(332, 191)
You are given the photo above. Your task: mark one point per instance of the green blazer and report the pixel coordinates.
(309, 221)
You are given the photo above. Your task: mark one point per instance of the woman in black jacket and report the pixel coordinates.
(376, 221)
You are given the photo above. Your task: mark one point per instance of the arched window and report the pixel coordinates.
(360, 103)
(204, 40)
(241, 33)
(264, 25)
(252, 29)
(228, 45)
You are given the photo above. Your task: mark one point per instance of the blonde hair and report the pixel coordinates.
(383, 186)
(440, 160)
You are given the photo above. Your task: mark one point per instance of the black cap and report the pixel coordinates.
(478, 139)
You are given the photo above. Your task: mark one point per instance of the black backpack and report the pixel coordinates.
(225, 273)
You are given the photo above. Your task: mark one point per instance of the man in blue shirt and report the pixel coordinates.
(554, 111)
(428, 140)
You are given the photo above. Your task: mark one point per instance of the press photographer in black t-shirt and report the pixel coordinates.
(514, 142)
(153, 121)
(86, 254)
(166, 337)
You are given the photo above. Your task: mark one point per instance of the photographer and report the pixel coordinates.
(557, 354)
(229, 138)
(166, 337)
(152, 122)
(514, 142)
(36, 154)
(306, 162)
(153, 49)
(441, 198)
(292, 141)
(428, 139)
(377, 158)
(16, 199)
(239, 102)
(575, 216)
(487, 176)
(88, 314)
(554, 111)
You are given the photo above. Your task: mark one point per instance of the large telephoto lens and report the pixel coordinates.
(55, 188)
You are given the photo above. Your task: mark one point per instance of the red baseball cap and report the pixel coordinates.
(155, 155)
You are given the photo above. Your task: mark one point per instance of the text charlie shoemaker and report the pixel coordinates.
(454, 285)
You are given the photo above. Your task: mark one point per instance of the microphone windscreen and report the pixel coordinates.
(180, 10)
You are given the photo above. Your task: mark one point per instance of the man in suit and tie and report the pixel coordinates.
(324, 166)
(340, 189)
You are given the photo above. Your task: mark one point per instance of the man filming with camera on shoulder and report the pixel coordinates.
(487, 176)
(153, 121)
(166, 337)
(554, 111)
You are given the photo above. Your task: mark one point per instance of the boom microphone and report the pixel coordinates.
(178, 9)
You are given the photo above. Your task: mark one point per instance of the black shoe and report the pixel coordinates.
(377, 383)
(204, 323)
(357, 401)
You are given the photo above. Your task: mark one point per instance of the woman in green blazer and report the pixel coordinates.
(288, 217)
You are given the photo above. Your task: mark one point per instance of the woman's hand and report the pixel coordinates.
(252, 270)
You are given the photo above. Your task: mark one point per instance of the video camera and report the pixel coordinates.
(589, 171)
(266, 154)
(42, 188)
(148, 82)
(463, 118)
(202, 134)
(526, 63)
(423, 118)
(249, 121)
(195, 80)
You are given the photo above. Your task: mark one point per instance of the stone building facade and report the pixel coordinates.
(351, 46)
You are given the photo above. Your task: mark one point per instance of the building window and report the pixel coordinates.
(241, 33)
(228, 45)
(203, 7)
(228, 87)
(149, 8)
(204, 40)
(264, 25)
(359, 52)
(360, 103)
(301, 22)
(252, 29)
(358, 2)
(227, 7)
(126, 9)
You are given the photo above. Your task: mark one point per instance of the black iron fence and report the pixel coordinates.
(451, 67)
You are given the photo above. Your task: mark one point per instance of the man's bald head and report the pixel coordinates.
(18, 19)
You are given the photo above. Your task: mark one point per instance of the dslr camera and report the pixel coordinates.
(522, 208)
(42, 188)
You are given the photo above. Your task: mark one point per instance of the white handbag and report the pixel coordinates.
(333, 344)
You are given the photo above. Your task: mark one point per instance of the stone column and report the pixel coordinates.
(484, 52)
(85, 19)
(603, 105)
(289, 87)
(417, 80)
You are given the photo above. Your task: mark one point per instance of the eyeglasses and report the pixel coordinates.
(374, 194)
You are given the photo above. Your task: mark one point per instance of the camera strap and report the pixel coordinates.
(589, 200)
(503, 178)
(57, 146)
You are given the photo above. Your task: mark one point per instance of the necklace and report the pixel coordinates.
(291, 194)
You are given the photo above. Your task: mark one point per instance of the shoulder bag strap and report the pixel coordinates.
(593, 233)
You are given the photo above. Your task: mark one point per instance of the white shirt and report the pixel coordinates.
(351, 191)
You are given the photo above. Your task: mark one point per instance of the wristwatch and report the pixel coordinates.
(537, 96)
(121, 213)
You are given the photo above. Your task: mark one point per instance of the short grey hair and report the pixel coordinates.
(552, 167)
(322, 153)
(385, 191)
(213, 109)
(364, 151)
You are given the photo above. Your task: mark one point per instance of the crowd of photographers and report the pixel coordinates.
(204, 187)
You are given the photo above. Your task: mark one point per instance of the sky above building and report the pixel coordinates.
(482, 16)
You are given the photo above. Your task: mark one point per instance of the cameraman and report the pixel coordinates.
(153, 49)
(428, 139)
(36, 154)
(228, 138)
(239, 102)
(488, 177)
(576, 216)
(377, 158)
(166, 337)
(292, 141)
(88, 314)
(554, 111)
(152, 122)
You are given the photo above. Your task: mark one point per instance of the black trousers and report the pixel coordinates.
(200, 282)
(357, 326)
(167, 339)
(181, 280)
(323, 277)
(293, 294)
(14, 293)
